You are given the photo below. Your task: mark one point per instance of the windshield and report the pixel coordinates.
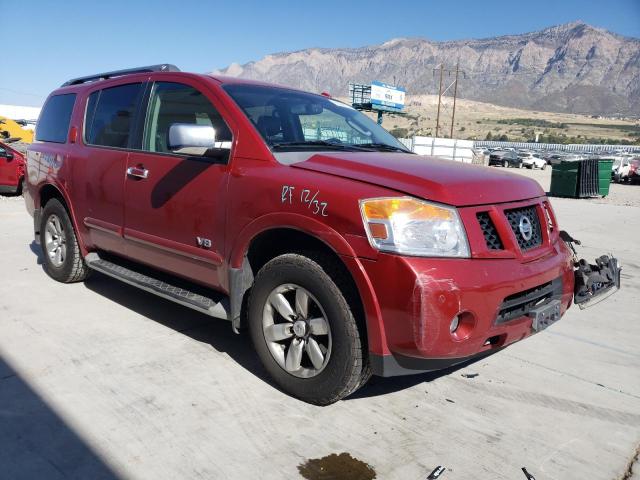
(292, 120)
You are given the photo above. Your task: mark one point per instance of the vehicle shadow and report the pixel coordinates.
(218, 333)
(384, 385)
(36, 442)
(198, 326)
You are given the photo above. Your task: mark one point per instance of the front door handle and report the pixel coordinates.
(138, 172)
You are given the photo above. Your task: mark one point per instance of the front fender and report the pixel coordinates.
(334, 240)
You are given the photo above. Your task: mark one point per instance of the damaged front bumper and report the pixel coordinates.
(599, 280)
(593, 281)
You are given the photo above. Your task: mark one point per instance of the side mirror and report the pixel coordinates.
(196, 140)
(9, 156)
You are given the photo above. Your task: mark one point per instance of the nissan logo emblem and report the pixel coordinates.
(526, 230)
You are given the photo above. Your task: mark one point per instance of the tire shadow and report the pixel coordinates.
(384, 385)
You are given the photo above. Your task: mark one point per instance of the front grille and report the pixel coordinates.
(489, 231)
(515, 217)
(521, 303)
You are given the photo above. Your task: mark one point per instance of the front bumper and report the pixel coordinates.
(419, 297)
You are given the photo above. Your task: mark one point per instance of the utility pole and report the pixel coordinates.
(442, 92)
(439, 99)
(455, 94)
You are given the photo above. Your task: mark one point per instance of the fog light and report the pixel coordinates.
(454, 324)
(462, 325)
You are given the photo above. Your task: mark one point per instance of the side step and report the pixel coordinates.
(213, 304)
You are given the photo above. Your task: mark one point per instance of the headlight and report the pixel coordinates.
(414, 227)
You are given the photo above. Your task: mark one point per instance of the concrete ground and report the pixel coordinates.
(100, 380)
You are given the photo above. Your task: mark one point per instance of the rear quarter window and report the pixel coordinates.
(109, 117)
(53, 124)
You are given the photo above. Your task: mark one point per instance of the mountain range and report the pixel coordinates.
(575, 68)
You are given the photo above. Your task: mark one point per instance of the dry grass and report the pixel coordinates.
(475, 119)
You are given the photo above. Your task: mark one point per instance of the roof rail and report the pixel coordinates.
(164, 67)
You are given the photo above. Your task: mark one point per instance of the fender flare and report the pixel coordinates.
(241, 276)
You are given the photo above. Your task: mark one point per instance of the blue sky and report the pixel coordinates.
(48, 42)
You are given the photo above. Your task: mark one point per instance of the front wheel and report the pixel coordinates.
(505, 164)
(544, 166)
(304, 331)
(62, 257)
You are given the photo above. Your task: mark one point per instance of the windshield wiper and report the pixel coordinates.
(384, 147)
(314, 143)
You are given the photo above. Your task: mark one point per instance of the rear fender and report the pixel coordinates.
(69, 206)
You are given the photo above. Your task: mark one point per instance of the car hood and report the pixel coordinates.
(431, 178)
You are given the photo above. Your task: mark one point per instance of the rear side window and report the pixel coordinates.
(53, 124)
(109, 115)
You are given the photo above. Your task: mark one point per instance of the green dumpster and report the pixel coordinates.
(604, 175)
(576, 179)
(564, 179)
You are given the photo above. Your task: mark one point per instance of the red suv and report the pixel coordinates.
(297, 217)
(11, 169)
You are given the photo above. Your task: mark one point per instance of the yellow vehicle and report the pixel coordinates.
(13, 130)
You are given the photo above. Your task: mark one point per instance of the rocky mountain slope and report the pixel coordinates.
(567, 68)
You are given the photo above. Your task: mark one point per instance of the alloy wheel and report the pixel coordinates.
(55, 241)
(296, 331)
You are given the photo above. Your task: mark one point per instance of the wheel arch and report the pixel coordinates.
(47, 192)
(275, 234)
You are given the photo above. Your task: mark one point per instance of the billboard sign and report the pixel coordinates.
(387, 95)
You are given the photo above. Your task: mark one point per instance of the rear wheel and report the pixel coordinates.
(505, 164)
(304, 331)
(62, 257)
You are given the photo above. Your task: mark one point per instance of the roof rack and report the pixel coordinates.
(164, 67)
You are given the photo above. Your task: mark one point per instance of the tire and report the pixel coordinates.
(521, 165)
(62, 257)
(505, 164)
(344, 366)
(544, 166)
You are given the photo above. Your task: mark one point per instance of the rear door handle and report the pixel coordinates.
(138, 172)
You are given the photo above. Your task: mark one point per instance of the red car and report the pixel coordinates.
(11, 169)
(296, 217)
(634, 170)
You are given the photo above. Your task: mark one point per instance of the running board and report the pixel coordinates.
(214, 305)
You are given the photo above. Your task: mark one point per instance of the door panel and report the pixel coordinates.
(111, 115)
(175, 204)
(102, 193)
(180, 201)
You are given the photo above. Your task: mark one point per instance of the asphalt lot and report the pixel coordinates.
(100, 380)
